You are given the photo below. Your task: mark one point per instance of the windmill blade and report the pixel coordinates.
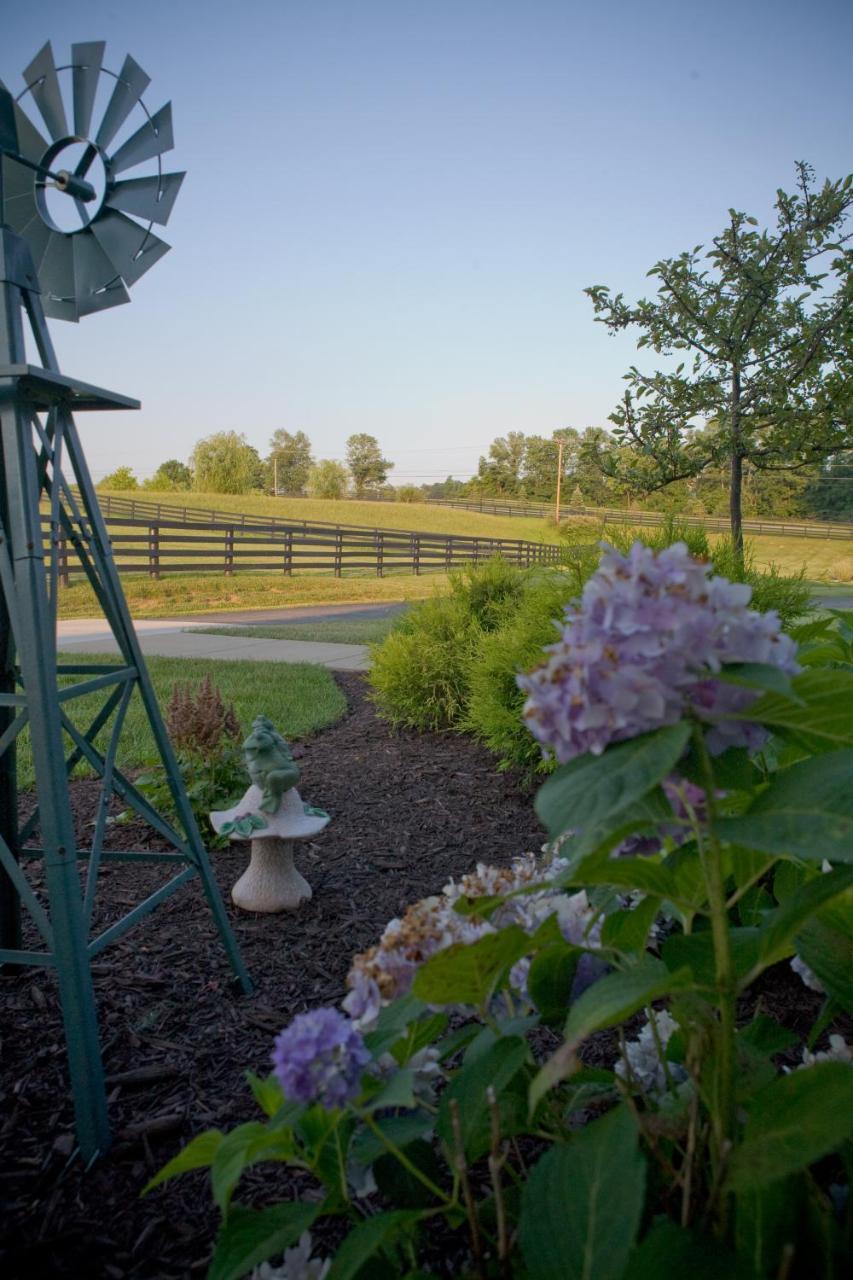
(97, 286)
(114, 296)
(130, 248)
(56, 269)
(60, 308)
(18, 210)
(87, 60)
(155, 137)
(93, 270)
(43, 82)
(149, 198)
(130, 86)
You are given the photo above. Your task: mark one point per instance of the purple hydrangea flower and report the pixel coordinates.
(320, 1058)
(641, 648)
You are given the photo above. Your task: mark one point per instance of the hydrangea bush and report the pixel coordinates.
(562, 1068)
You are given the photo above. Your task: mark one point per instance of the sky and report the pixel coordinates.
(392, 207)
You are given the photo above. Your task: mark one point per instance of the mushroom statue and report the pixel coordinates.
(271, 815)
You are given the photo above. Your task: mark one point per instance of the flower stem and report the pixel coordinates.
(407, 1164)
(723, 1115)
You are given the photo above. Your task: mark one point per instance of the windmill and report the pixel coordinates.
(76, 232)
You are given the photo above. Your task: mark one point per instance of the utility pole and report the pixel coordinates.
(275, 475)
(559, 478)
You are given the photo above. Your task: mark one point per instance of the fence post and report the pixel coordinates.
(416, 556)
(229, 552)
(448, 555)
(380, 553)
(154, 551)
(288, 553)
(339, 546)
(62, 556)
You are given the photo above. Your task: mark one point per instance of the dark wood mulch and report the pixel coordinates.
(408, 810)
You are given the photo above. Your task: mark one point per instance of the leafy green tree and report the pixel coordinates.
(765, 320)
(369, 470)
(829, 495)
(499, 474)
(121, 478)
(290, 460)
(448, 488)
(327, 479)
(225, 462)
(171, 476)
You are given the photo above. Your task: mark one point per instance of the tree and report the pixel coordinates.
(226, 463)
(290, 459)
(171, 476)
(369, 470)
(500, 473)
(327, 479)
(121, 478)
(766, 320)
(448, 488)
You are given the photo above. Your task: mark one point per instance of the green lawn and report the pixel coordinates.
(299, 699)
(326, 631)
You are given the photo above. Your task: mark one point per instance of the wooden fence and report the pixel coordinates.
(618, 515)
(161, 546)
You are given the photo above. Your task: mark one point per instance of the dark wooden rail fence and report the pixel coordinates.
(138, 508)
(162, 546)
(652, 519)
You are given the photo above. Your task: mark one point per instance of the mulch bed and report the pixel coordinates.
(408, 812)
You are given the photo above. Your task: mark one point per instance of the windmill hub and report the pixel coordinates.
(80, 158)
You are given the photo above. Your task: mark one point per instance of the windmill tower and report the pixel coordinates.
(75, 233)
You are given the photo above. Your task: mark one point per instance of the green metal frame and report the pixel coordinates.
(42, 462)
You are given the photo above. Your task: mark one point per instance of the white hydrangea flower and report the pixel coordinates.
(807, 975)
(297, 1264)
(839, 1051)
(641, 1063)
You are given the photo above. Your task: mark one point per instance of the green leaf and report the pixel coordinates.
(669, 1250)
(796, 1120)
(550, 978)
(628, 930)
(756, 675)
(418, 1036)
(823, 717)
(266, 1092)
(766, 1220)
(242, 1147)
(777, 933)
(647, 874)
(826, 944)
(695, 952)
(197, 1154)
(392, 1022)
(593, 790)
(766, 1036)
(806, 811)
(499, 1066)
(251, 1236)
(367, 1146)
(468, 973)
(397, 1091)
(618, 995)
(581, 1206)
(372, 1236)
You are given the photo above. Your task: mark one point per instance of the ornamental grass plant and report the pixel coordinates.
(456, 1107)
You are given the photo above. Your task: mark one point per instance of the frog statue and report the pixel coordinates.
(269, 763)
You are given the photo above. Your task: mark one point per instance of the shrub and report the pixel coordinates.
(408, 493)
(788, 594)
(419, 672)
(205, 734)
(494, 698)
(488, 591)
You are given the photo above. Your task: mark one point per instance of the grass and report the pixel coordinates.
(330, 631)
(186, 593)
(299, 698)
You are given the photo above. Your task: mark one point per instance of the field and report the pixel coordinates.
(180, 595)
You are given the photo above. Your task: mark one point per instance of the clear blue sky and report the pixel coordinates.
(392, 206)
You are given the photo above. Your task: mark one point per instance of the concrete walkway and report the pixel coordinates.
(170, 638)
